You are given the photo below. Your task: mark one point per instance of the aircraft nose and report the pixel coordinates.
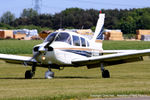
(42, 49)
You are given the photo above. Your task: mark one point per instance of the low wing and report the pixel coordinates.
(113, 59)
(118, 51)
(16, 59)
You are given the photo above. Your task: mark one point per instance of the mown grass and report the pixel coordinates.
(77, 83)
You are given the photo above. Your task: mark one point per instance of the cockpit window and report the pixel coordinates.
(76, 41)
(63, 37)
(50, 38)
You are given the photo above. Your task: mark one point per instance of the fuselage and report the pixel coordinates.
(60, 48)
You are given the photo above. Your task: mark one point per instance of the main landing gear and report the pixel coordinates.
(105, 73)
(30, 73)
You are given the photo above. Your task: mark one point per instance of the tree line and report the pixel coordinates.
(128, 20)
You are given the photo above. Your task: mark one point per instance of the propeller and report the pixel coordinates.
(41, 49)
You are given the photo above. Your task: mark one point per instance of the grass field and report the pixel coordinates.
(17, 46)
(77, 83)
(25, 47)
(124, 45)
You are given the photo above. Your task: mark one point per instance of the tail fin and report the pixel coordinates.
(98, 35)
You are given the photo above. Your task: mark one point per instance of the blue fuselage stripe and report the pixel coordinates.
(83, 53)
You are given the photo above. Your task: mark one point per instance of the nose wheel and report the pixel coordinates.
(49, 74)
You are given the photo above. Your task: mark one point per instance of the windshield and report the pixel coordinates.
(63, 37)
(50, 38)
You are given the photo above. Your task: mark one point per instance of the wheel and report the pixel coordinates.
(49, 74)
(28, 74)
(105, 74)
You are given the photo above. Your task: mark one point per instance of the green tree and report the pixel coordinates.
(145, 21)
(7, 17)
(29, 13)
(128, 25)
(128, 20)
(5, 26)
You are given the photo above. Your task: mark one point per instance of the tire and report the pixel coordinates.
(28, 74)
(105, 74)
(49, 74)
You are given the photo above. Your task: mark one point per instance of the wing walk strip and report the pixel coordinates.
(112, 57)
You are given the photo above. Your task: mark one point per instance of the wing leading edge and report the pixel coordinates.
(16, 59)
(113, 59)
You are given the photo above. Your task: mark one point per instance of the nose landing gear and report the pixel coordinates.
(49, 74)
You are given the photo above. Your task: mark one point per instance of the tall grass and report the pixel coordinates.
(124, 45)
(17, 46)
(25, 47)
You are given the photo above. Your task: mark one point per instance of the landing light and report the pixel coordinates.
(43, 58)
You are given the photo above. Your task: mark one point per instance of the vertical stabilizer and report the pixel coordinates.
(99, 28)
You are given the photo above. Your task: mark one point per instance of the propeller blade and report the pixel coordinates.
(35, 55)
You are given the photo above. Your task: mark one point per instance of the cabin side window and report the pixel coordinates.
(76, 41)
(88, 44)
(63, 37)
(83, 42)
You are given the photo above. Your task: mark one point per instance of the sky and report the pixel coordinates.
(56, 6)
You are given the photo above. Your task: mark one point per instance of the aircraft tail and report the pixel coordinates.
(98, 35)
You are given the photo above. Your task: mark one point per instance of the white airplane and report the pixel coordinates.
(69, 49)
